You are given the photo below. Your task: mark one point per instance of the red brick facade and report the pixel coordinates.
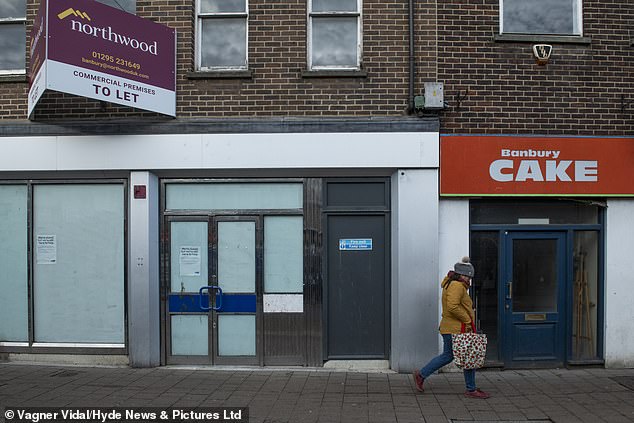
(579, 92)
(278, 85)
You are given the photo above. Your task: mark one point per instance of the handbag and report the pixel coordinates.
(469, 349)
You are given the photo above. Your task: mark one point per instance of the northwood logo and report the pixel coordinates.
(70, 11)
(106, 33)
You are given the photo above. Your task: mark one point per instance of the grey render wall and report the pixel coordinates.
(414, 267)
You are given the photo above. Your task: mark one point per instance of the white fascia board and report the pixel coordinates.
(130, 152)
(29, 153)
(221, 151)
(322, 150)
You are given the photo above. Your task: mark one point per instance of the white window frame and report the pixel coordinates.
(579, 22)
(309, 31)
(221, 15)
(15, 21)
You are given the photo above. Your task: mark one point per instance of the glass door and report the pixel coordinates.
(187, 323)
(533, 298)
(237, 247)
(215, 277)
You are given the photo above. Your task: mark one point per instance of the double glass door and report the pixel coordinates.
(213, 290)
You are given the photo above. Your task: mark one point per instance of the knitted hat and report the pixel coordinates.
(464, 268)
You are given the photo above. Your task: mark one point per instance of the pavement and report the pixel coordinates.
(326, 395)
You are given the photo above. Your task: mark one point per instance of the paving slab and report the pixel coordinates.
(329, 395)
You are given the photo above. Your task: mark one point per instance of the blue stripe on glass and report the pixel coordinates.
(238, 303)
(231, 303)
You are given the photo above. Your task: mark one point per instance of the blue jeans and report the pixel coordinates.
(445, 358)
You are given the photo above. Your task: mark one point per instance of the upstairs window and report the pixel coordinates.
(127, 5)
(334, 32)
(12, 36)
(222, 34)
(540, 17)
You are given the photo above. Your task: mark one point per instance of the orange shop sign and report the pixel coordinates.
(516, 165)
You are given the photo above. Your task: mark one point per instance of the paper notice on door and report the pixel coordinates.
(46, 249)
(189, 260)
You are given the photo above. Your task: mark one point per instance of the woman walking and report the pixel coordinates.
(457, 311)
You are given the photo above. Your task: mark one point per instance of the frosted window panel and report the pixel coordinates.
(334, 5)
(236, 335)
(13, 46)
(188, 246)
(223, 196)
(12, 9)
(223, 43)
(223, 6)
(14, 309)
(80, 297)
(335, 42)
(236, 256)
(283, 254)
(190, 335)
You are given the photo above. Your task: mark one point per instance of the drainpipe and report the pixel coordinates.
(412, 70)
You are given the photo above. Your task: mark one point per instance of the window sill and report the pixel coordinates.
(352, 73)
(529, 38)
(15, 77)
(237, 74)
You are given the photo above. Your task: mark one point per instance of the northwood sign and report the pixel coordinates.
(85, 48)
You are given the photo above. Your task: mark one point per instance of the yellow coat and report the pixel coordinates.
(457, 307)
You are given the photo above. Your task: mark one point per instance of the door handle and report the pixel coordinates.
(218, 297)
(509, 290)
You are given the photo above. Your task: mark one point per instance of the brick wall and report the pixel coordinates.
(579, 92)
(277, 58)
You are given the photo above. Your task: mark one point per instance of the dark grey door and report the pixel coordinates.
(358, 289)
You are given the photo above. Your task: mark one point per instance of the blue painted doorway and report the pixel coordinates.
(533, 299)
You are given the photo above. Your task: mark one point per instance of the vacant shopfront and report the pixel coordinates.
(219, 248)
(235, 272)
(537, 211)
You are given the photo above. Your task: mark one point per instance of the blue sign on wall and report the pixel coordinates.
(364, 244)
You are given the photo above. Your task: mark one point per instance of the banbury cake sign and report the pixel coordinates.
(88, 49)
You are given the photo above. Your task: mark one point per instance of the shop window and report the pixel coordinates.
(533, 212)
(540, 17)
(283, 254)
(78, 264)
(334, 34)
(484, 256)
(127, 5)
(14, 308)
(12, 36)
(222, 34)
(234, 196)
(585, 295)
